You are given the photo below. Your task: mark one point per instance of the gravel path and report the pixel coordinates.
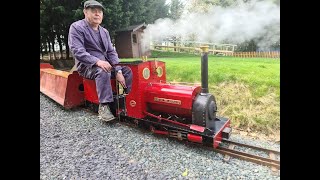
(74, 144)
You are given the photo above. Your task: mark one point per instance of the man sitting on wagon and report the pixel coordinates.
(96, 58)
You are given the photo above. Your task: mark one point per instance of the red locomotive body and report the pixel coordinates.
(180, 111)
(172, 99)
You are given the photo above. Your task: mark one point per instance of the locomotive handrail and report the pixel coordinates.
(185, 83)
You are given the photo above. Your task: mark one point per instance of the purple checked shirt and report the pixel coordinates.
(85, 47)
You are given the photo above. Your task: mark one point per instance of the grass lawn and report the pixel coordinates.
(247, 90)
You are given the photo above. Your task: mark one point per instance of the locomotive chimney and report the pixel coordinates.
(204, 69)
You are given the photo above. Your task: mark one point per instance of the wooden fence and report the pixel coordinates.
(270, 54)
(195, 50)
(50, 56)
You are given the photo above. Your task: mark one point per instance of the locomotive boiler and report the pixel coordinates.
(185, 112)
(194, 104)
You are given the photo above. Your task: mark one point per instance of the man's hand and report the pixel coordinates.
(121, 79)
(104, 65)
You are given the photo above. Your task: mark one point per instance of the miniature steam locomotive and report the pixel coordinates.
(174, 110)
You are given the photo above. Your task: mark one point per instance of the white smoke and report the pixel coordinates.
(236, 24)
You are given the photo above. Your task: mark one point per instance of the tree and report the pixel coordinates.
(205, 5)
(155, 9)
(143, 11)
(55, 19)
(56, 16)
(176, 9)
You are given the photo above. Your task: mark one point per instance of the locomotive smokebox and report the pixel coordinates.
(204, 107)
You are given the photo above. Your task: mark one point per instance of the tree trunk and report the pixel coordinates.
(49, 51)
(60, 46)
(175, 43)
(45, 48)
(41, 50)
(67, 46)
(52, 40)
(53, 50)
(67, 52)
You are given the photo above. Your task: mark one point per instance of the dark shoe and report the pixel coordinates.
(105, 113)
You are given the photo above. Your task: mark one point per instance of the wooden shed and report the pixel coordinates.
(129, 43)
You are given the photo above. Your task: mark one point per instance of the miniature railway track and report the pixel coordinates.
(230, 151)
(272, 161)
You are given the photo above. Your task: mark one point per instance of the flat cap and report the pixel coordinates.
(92, 3)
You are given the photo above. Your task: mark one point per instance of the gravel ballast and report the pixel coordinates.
(75, 144)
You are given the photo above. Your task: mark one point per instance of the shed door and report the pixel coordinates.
(139, 44)
(135, 45)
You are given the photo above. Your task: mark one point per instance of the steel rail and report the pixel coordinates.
(249, 146)
(271, 162)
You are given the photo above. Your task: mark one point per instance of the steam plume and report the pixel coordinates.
(258, 20)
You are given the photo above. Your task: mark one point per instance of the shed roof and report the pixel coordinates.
(132, 28)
